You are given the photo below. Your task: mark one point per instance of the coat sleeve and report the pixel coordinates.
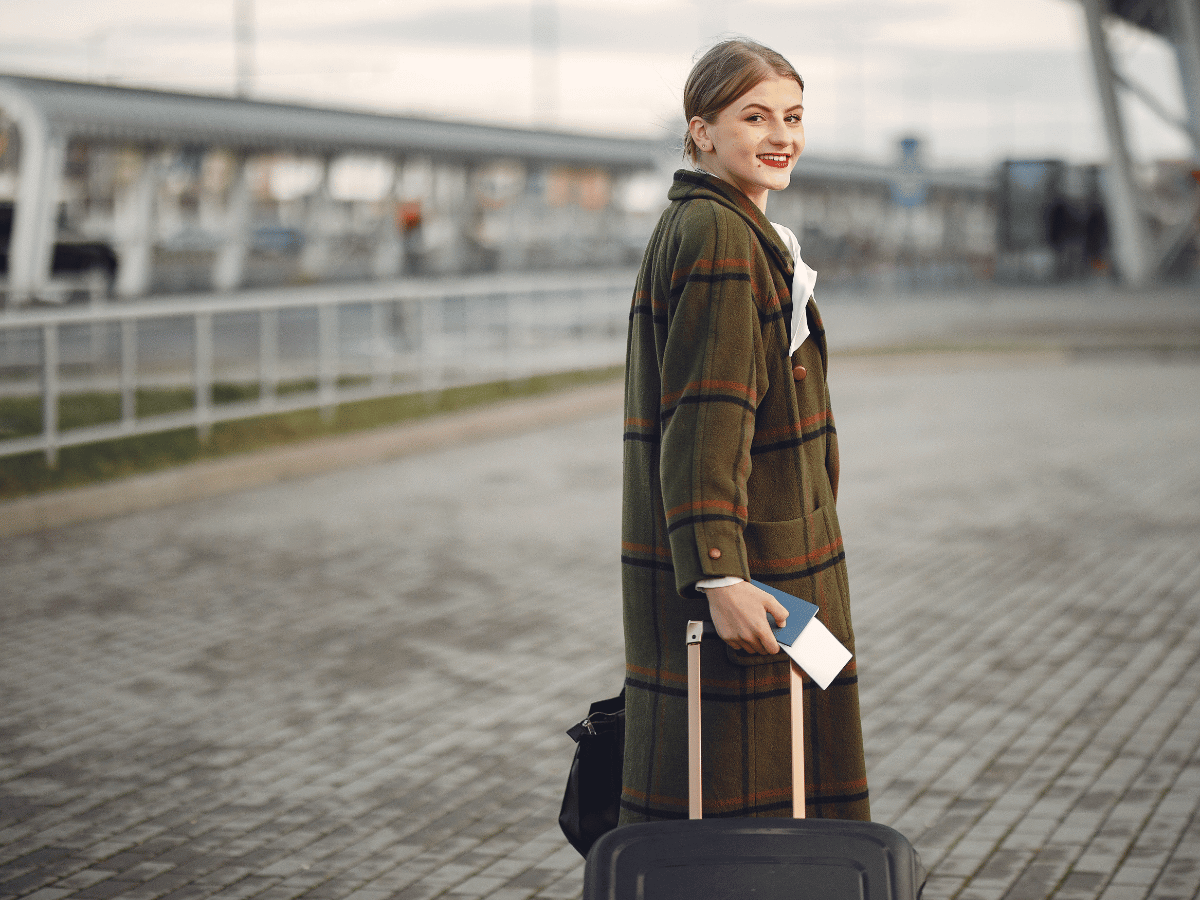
(713, 376)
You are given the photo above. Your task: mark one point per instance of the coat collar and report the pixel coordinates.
(690, 185)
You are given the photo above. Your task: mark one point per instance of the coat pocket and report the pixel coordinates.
(804, 557)
(771, 547)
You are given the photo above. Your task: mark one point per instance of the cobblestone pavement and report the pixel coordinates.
(355, 685)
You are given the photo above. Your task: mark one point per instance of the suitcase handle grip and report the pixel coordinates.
(695, 633)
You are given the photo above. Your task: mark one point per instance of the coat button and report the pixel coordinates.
(799, 372)
(714, 553)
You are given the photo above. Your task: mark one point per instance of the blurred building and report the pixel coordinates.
(110, 191)
(200, 193)
(897, 223)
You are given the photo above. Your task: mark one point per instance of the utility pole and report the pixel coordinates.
(545, 52)
(243, 38)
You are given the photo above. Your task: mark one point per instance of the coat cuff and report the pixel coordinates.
(707, 550)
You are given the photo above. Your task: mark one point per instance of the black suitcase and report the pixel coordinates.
(750, 859)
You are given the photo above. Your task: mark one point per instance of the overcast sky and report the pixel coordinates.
(978, 80)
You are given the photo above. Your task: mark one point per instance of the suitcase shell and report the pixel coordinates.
(750, 858)
(753, 859)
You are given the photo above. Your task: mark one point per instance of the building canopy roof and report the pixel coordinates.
(108, 112)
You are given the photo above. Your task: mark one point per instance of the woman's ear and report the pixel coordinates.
(698, 129)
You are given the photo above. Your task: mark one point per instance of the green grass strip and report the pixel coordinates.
(27, 473)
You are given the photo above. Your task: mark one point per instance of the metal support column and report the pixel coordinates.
(1185, 22)
(230, 264)
(136, 213)
(453, 214)
(43, 155)
(387, 261)
(1130, 241)
(315, 259)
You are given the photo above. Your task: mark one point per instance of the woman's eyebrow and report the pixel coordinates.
(749, 106)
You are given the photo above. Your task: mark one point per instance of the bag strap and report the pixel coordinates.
(695, 634)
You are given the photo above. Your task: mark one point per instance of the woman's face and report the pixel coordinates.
(753, 142)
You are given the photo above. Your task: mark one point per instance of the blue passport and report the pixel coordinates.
(800, 613)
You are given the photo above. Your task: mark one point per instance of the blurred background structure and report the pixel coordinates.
(119, 192)
(109, 190)
(309, 253)
(1154, 225)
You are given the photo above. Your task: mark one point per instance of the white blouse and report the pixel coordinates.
(804, 280)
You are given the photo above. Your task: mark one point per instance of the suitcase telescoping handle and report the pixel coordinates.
(695, 632)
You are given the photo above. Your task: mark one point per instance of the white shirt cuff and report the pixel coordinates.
(723, 581)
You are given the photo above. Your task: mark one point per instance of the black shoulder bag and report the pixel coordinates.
(592, 800)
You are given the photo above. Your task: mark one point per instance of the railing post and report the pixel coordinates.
(474, 332)
(381, 346)
(204, 375)
(327, 359)
(528, 332)
(268, 357)
(431, 339)
(50, 392)
(516, 308)
(129, 353)
(400, 338)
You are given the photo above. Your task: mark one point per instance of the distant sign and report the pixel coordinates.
(909, 184)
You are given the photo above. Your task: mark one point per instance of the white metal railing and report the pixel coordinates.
(300, 348)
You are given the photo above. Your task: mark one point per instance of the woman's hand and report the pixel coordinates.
(740, 612)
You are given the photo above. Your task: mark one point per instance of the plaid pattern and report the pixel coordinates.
(725, 450)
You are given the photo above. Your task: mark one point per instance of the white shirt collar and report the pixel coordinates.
(804, 280)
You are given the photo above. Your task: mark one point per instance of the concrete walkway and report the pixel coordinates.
(354, 684)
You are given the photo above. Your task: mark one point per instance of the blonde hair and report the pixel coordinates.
(723, 74)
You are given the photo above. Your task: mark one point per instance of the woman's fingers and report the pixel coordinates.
(742, 615)
(778, 611)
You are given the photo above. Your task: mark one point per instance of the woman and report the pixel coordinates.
(731, 470)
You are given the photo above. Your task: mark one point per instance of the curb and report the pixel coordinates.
(212, 478)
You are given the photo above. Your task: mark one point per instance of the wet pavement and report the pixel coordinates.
(355, 684)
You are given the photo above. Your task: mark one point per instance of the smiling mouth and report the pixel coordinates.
(778, 160)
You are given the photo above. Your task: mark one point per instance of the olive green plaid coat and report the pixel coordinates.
(725, 450)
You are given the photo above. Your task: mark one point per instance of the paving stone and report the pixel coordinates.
(103, 890)
(26, 883)
(355, 685)
(189, 892)
(507, 893)
(477, 886)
